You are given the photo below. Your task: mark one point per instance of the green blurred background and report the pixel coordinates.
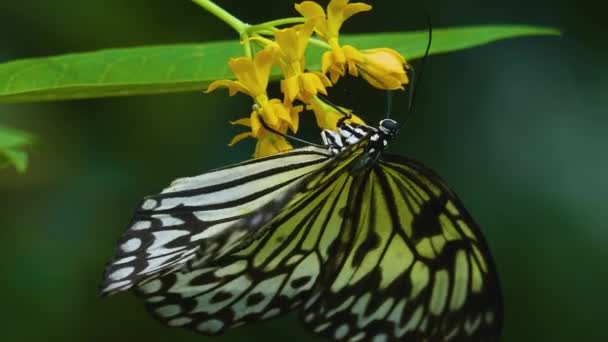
(519, 128)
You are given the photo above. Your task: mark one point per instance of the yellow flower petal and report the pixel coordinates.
(327, 116)
(310, 9)
(233, 87)
(313, 83)
(383, 68)
(354, 8)
(243, 122)
(328, 27)
(295, 118)
(256, 125)
(293, 41)
(290, 88)
(253, 74)
(271, 144)
(239, 137)
(276, 108)
(264, 60)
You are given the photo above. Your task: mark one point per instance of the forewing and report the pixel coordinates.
(274, 274)
(412, 265)
(213, 212)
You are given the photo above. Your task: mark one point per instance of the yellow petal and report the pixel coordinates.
(233, 87)
(239, 137)
(256, 125)
(384, 68)
(244, 71)
(326, 61)
(288, 40)
(271, 144)
(290, 88)
(310, 9)
(276, 108)
(339, 11)
(312, 84)
(295, 118)
(243, 122)
(354, 8)
(253, 75)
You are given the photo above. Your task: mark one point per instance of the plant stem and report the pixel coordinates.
(319, 43)
(277, 22)
(222, 14)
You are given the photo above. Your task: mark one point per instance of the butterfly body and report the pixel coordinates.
(368, 246)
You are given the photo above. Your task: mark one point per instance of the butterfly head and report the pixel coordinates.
(389, 128)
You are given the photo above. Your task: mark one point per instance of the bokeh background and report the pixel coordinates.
(519, 128)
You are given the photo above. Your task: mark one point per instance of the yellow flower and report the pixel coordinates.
(383, 68)
(328, 116)
(291, 46)
(328, 26)
(268, 142)
(252, 79)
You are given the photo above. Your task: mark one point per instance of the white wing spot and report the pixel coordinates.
(155, 299)
(295, 304)
(374, 137)
(169, 310)
(489, 317)
(380, 338)
(211, 326)
(322, 327)
(271, 313)
(341, 332)
(151, 286)
(121, 273)
(176, 322)
(141, 225)
(131, 245)
(149, 204)
(360, 336)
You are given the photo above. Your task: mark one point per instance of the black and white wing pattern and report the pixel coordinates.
(368, 246)
(412, 265)
(272, 274)
(212, 213)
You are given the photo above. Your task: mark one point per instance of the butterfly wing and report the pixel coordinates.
(412, 265)
(213, 213)
(273, 274)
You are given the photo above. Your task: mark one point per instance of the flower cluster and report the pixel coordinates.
(383, 68)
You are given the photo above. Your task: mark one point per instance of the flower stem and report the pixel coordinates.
(277, 22)
(319, 43)
(223, 15)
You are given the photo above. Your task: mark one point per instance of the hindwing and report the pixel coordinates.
(412, 265)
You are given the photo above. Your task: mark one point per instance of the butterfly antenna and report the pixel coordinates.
(389, 103)
(346, 115)
(415, 86)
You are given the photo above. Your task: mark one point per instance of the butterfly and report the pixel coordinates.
(365, 245)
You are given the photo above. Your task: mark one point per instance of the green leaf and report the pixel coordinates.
(179, 68)
(12, 144)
